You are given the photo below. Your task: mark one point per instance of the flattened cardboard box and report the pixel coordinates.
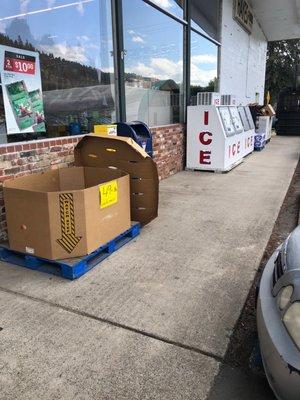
(68, 212)
(128, 156)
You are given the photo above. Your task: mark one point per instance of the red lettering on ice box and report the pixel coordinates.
(248, 142)
(234, 149)
(206, 117)
(203, 140)
(205, 157)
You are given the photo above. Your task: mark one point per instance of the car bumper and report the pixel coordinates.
(276, 345)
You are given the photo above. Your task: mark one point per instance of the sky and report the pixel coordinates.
(154, 44)
(80, 30)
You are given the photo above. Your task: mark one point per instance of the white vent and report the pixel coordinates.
(208, 99)
(228, 100)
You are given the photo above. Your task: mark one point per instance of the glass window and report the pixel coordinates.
(153, 46)
(74, 43)
(204, 66)
(174, 7)
(205, 17)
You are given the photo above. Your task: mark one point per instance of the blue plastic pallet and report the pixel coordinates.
(71, 268)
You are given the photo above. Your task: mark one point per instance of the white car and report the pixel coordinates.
(278, 319)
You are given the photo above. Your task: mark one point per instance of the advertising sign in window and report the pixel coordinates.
(22, 90)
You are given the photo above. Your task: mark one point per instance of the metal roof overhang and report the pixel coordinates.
(279, 19)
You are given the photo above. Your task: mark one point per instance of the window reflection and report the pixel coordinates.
(205, 17)
(153, 64)
(172, 6)
(74, 41)
(204, 66)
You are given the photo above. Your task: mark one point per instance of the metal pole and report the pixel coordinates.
(186, 59)
(118, 55)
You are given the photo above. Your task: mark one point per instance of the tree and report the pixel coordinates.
(282, 58)
(211, 87)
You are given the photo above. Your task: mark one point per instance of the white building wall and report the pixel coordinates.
(242, 59)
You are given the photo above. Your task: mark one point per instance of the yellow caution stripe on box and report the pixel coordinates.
(68, 240)
(108, 194)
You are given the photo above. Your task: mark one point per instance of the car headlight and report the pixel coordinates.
(284, 296)
(291, 321)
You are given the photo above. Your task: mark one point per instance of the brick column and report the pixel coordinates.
(169, 149)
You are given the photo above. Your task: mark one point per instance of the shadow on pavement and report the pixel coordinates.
(234, 384)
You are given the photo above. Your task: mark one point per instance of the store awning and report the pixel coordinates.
(279, 19)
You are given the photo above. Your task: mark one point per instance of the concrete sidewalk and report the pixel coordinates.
(154, 320)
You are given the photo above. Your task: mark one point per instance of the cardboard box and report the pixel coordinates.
(268, 110)
(262, 124)
(68, 212)
(123, 153)
(105, 130)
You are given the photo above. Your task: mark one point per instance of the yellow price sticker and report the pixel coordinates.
(108, 194)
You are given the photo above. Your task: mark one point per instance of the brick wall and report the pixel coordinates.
(22, 159)
(169, 149)
(36, 156)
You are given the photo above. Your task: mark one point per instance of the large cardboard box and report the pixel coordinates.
(268, 110)
(125, 154)
(68, 212)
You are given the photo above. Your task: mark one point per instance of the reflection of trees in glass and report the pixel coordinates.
(58, 73)
(89, 86)
(211, 87)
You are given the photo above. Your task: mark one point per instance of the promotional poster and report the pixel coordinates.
(22, 90)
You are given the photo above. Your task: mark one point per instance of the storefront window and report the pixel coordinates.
(69, 44)
(153, 46)
(205, 17)
(174, 7)
(204, 66)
